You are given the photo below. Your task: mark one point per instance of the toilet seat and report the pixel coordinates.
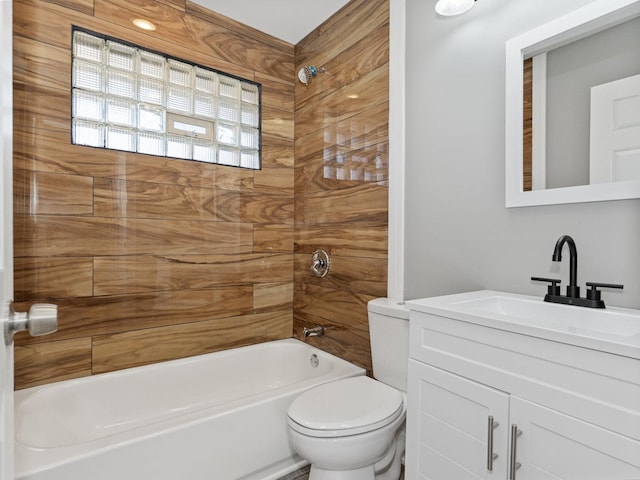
(345, 407)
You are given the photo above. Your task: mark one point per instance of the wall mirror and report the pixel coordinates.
(573, 108)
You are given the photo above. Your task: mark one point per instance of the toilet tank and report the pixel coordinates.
(389, 334)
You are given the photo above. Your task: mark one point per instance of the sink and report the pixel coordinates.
(615, 330)
(554, 316)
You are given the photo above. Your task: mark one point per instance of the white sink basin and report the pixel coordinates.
(615, 330)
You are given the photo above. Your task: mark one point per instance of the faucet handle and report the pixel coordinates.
(594, 294)
(553, 288)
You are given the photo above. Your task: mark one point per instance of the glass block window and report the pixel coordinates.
(131, 99)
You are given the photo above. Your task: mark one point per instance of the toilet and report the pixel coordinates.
(353, 429)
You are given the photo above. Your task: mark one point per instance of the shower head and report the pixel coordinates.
(305, 74)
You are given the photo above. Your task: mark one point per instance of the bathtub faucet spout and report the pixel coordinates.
(317, 331)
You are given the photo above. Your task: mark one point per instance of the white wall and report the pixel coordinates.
(459, 235)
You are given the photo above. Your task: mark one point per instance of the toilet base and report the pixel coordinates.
(388, 467)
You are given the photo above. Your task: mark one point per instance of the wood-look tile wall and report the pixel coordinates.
(341, 176)
(148, 258)
(527, 124)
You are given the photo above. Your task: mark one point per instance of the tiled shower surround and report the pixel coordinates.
(153, 258)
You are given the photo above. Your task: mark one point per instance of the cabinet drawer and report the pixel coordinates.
(598, 387)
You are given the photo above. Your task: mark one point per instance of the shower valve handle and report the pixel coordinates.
(320, 263)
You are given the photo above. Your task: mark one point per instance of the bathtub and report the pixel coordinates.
(220, 416)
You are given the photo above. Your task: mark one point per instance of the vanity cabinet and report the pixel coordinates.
(489, 403)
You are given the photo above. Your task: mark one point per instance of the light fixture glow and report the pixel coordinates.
(449, 8)
(143, 24)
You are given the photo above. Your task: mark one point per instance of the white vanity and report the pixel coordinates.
(507, 386)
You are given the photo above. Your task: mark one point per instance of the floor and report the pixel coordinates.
(303, 474)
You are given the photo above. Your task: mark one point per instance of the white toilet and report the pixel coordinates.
(353, 429)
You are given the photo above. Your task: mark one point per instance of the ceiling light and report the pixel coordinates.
(449, 8)
(143, 24)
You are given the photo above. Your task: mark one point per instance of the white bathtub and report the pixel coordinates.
(220, 416)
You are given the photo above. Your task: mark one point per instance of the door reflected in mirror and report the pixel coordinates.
(581, 106)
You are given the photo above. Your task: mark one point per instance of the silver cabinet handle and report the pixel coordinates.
(42, 319)
(491, 426)
(513, 465)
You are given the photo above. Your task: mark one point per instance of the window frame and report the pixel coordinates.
(246, 138)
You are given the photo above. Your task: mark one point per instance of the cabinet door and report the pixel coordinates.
(448, 427)
(555, 446)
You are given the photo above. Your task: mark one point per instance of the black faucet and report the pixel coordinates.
(573, 290)
(572, 297)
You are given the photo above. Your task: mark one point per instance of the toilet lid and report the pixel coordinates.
(356, 405)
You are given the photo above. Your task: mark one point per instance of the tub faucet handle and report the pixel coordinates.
(320, 263)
